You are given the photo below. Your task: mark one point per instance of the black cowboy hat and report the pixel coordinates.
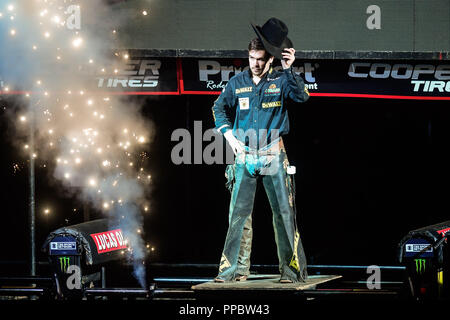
(273, 35)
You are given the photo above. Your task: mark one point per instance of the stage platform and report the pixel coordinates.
(266, 282)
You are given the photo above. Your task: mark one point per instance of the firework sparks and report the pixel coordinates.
(91, 142)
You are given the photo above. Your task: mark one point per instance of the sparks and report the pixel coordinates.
(77, 42)
(56, 19)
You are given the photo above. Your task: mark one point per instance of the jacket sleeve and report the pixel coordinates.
(294, 86)
(221, 109)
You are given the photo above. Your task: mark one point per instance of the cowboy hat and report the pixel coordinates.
(273, 35)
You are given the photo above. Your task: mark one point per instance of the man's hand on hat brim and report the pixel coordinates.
(288, 57)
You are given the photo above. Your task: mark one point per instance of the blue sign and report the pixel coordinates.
(63, 246)
(418, 248)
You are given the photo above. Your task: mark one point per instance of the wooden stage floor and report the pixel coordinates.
(265, 282)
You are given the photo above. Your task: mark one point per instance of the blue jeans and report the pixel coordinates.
(272, 170)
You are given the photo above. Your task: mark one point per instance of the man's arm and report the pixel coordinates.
(220, 110)
(222, 121)
(295, 87)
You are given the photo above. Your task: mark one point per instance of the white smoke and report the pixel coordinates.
(95, 141)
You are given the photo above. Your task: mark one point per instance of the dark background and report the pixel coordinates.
(368, 171)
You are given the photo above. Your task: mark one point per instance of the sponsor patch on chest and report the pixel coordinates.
(272, 90)
(244, 103)
(272, 104)
(244, 90)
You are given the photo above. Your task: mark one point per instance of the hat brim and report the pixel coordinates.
(270, 48)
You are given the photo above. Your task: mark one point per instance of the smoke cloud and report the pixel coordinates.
(95, 142)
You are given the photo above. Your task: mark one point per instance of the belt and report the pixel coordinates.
(273, 148)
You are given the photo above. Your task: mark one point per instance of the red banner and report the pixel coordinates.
(109, 241)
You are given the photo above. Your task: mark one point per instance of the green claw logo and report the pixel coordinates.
(420, 265)
(64, 263)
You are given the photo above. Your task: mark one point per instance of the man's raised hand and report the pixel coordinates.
(288, 57)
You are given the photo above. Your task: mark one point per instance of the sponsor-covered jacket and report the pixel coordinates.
(244, 105)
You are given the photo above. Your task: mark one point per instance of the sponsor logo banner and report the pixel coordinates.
(359, 78)
(418, 248)
(135, 75)
(443, 231)
(407, 79)
(63, 245)
(109, 241)
(141, 75)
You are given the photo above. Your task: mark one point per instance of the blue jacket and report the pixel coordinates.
(244, 105)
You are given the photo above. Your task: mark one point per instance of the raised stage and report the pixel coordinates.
(266, 282)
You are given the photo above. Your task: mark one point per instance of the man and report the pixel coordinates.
(251, 113)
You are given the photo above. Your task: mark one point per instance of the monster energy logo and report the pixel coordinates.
(420, 265)
(64, 263)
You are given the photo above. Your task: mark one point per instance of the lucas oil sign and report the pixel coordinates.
(109, 241)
